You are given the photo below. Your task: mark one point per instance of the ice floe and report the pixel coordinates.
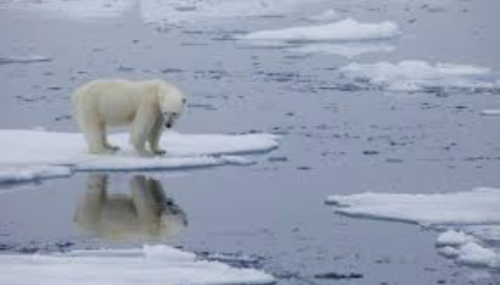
(480, 206)
(454, 238)
(341, 31)
(152, 265)
(75, 9)
(25, 153)
(416, 75)
(470, 220)
(466, 249)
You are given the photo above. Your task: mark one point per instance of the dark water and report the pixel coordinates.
(334, 141)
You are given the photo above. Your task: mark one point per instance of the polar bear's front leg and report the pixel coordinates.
(141, 128)
(155, 135)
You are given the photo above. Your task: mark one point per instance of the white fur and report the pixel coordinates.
(144, 106)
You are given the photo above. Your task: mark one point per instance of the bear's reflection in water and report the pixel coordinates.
(145, 213)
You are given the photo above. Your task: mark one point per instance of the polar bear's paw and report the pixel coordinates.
(102, 151)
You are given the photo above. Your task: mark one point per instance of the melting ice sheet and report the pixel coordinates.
(470, 220)
(152, 265)
(415, 75)
(26, 155)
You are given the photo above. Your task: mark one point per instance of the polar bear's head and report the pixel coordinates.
(172, 102)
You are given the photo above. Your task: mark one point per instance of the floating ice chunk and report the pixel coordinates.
(348, 50)
(22, 149)
(23, 59)
(466, 249)
(480, 206)
(476, 255)
(490, 112)
(345, 30)
(11, 174)
(449, 252)
(454, 238)
(153, 265)
(476, 211)
(325, 16)
(420, 75)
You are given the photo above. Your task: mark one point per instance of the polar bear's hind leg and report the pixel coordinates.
(95, 134)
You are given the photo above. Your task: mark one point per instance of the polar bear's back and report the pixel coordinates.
(114, 101)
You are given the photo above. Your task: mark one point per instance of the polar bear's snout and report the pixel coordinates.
(170, 122)
(171, 118)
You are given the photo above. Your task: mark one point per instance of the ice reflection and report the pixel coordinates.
(145, 213)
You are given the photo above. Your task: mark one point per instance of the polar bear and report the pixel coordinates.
(143, 106)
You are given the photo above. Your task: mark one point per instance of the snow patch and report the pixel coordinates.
(418, 75)
(30, 153)
(151, 265)
(342, 31)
